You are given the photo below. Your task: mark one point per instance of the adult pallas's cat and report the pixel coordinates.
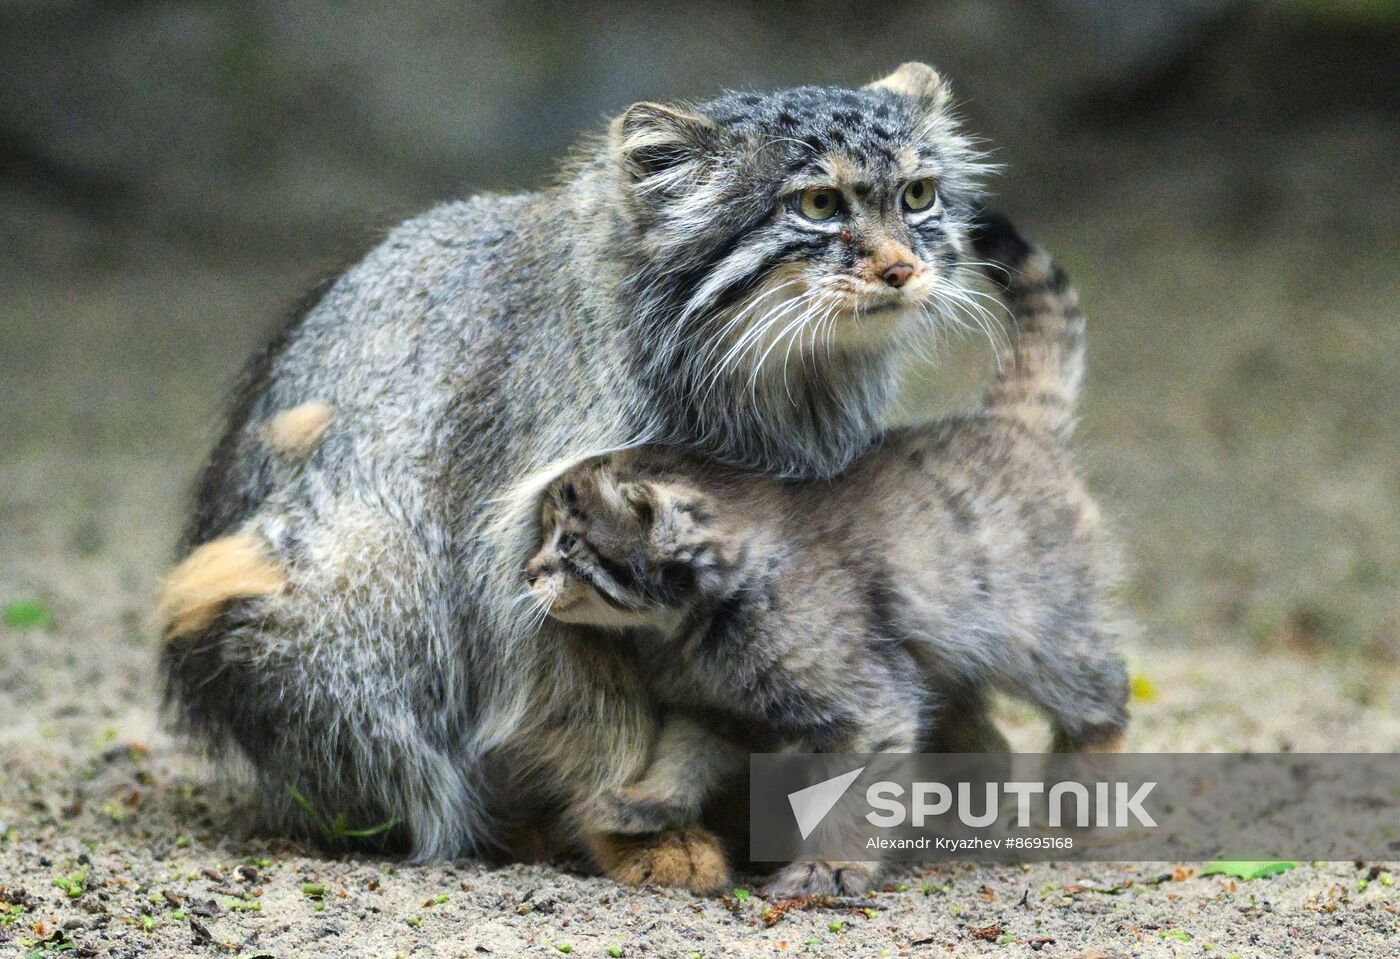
(736, 278)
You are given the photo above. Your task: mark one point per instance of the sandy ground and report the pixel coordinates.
(1247, 454)
(91, 789)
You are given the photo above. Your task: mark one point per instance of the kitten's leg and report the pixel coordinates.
(964, 725)
(688, 764)
(689, 856)
(1082, 686)
(677, 852)
(891, 726)
(595, 731)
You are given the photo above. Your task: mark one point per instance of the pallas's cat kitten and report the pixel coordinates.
(964, 553)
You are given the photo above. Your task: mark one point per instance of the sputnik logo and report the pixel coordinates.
(810, 805)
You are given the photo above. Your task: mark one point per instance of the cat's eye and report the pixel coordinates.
(819, 203)
(919, 195)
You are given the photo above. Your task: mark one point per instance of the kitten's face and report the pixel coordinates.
(809, 219)
(621, 552)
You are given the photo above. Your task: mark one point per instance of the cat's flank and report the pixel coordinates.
(738, 277)
(962, 555)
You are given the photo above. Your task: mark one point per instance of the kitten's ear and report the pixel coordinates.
(643, 500)
(659, 504)
(651, 140)
(919, 81)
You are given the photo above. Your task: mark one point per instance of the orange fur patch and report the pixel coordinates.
(295, 432)
(691, 858)
(211, 577)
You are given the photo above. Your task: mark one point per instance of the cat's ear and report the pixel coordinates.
(662, 505)
(918, 81)
(642, 500)
(662, 144)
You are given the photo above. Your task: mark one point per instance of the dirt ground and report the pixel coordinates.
(1239, 426)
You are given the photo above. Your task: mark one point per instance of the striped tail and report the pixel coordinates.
(1039, 375)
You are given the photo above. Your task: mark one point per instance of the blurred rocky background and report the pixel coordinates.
(1220, 176)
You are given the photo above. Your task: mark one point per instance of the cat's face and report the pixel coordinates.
(621, 551)
(784, 224)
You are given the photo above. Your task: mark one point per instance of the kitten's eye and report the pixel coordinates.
(568, 544)
(919, 195)
(819, 203)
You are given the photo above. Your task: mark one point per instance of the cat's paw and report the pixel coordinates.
(689, 858)
(822, 879)
(634, 812)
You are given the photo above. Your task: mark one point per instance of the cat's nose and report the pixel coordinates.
(897, 274)
(537, 571)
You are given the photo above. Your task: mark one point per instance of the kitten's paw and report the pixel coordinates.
(690, 858)
(822, 879)
(632, 812)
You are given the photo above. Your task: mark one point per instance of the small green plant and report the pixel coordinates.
(54, 942)
(74, 884)
(615, 952)
(243, 905)
(28, 614)
(339, 827)
(836, 925)
(313, 890)
(565, 948)
(1247, 870)
(741, 894)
